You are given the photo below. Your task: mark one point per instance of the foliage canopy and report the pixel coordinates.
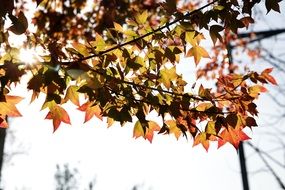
(122, 56)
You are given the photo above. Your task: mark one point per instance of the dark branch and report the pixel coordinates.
(260, 154)
(143, 36)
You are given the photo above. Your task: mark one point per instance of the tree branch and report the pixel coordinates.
(143, 36)
(260, 154)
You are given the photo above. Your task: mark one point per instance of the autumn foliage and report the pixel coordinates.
(121, 57)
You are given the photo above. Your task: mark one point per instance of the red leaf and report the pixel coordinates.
(265, 74)
(58, 115)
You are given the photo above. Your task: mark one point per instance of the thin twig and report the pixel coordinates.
(159, 29)
(260, 154)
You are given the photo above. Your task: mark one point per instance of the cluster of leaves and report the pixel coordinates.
(122, 56)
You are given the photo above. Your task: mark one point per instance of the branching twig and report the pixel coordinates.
(261, 155)
(145, 35)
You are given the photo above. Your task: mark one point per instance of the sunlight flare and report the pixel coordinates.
(28, 56)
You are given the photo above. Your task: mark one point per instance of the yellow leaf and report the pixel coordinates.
(197, 52)
(168, 75)
(141, 18)
(118, 27)
(255, 90)
(80, 48)
(138, 130)
(72, 95)
(173, 129)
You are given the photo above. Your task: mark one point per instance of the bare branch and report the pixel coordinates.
(261, 155)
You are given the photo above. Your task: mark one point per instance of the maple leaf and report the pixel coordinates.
(145, 130)
(38, 2)
(152, 126)
(233, 136)
(201, 138)
(72, 95)
(3, 122)
(8, 107)
(20, 24)
(265, 74)
(255, 90)
(247, 21)
(214, 33)
(168, 75)
(173, 129)
(197, 52)
(272, 5)
(58, 115)
(90, 111)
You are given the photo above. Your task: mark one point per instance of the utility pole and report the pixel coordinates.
(3, 132)
(258, 37)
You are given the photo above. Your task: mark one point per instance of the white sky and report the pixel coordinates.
(116, 159)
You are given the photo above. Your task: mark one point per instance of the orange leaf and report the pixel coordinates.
(152, 126)
(3, 122)
(8, 107)
(90, 111)
(268, 77)
(58, 115)
(233, 136)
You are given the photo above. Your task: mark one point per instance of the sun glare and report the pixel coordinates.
(28, 56)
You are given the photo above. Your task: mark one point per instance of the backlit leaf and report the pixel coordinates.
(81, 48)
(8, 108)
(72, 95)
(267, 76)
(57, 114)
(167, 76)
(141, 18)
(233, 136)
(173, 129)
(255, 90)
(201, 138)
(152, 127)
(197, 52)
(90, 111)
